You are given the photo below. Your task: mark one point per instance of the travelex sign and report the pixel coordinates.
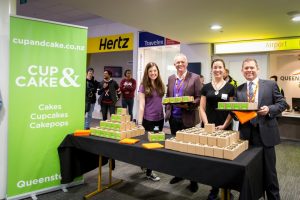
(257, 46)
(147, 39)
(111, 43)
(48, 76)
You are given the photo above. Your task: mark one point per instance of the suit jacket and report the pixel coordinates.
(268, 95)
(191, 87)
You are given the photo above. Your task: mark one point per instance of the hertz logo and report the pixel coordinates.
(113, 43)
(121, 43)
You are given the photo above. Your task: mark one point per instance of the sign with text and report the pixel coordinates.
(111, 43)
(147, 39)
(46, 100)
(257, 46)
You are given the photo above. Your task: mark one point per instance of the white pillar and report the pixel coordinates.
(7, 7)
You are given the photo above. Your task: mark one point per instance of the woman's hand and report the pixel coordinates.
(221, 127)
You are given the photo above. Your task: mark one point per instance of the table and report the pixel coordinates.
(244, 174)
(289, 125)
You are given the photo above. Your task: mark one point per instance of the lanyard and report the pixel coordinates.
(178, 86)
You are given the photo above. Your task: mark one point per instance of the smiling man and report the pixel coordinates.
(183, 83)
(263, 130)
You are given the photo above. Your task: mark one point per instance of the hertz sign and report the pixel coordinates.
(111, 43)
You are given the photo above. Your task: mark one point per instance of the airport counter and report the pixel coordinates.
(289, 125)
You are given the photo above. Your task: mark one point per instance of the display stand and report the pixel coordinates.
(225, 194)
(101, 188)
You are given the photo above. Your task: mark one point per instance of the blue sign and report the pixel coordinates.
(147, 39)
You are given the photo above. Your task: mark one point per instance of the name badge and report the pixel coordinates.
(224, 96)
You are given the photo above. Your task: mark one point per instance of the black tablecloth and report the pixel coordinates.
(244, 174)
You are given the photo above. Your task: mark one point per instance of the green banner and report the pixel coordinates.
(46, 99)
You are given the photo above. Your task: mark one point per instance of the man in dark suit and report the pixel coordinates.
(182, 116)
(263, 130)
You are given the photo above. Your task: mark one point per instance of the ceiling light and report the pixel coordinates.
(294, 15)
(216, 27)
(296, 18)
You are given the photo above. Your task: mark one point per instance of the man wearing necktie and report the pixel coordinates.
(263, 131)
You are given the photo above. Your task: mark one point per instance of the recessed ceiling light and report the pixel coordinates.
(296, 18)
(294, 15)
(216, 27)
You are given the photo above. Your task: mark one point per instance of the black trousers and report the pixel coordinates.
(271, 185)
(112, 110)
(128, 103)
(105, 108)
(149, 126)
(176, 125)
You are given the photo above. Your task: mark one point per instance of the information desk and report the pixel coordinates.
(289, 125)
(244, 174)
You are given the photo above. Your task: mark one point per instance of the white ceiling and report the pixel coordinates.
(187, 21)
(53, 10)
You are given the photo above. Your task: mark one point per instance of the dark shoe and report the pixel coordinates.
(153, 177)
(175, 180)
(193, 187)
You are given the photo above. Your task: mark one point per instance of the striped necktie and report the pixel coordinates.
(250, 90)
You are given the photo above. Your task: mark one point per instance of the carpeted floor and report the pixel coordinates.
(136, 186)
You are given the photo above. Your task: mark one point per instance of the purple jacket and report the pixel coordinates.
(192, 87)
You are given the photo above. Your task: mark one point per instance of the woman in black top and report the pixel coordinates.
(216, 91)
(211, 99)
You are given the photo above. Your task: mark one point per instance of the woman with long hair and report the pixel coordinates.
(151, 92)
(218, 90)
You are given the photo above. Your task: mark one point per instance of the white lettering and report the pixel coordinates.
(21, 184)
(32, 82)
(56, 115)
(18, 81)
(49, 107)
(45, 76)
(53, 70)
(30, 70)
(154, 43)
(38, 125)
(27, 183)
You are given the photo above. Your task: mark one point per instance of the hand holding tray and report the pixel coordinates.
(244, 111)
